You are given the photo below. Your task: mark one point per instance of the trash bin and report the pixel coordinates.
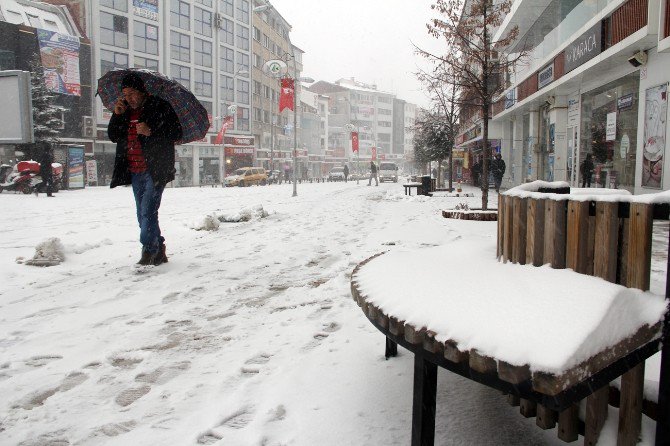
(425, 184)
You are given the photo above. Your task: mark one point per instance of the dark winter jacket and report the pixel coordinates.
(498, 167)
(587, 167)
(373, 168)
(158, 149)
(346, 170)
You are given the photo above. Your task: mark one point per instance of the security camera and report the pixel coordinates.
(638, 59)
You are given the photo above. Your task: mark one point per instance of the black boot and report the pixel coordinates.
(146, 258)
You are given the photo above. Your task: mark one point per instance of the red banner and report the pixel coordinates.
(354, 141)
(286, 96)
(373, 150)
(228, 122)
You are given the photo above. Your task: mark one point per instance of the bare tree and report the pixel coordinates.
(473, 63)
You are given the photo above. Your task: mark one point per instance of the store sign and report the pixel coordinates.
(624, 102)
(91, 171)
(239, 141)
(239, 151)
(146, 8)
(545, 76)
(510, 98)
(585, 48)
(610, 129)
(573, 111)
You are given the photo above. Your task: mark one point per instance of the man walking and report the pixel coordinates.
(373, 174)
(346, 172)
(144, 128)
(46, 170)
(497, 170)
(587, 170)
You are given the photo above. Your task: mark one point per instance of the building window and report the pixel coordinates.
(266, 41)
(243, 11)
(257, 34)
(119, 5)
(181, 74)
(242, 118)
(243, 64)
(110, 60)
(243, 38)
(113, 30)
(180, 46)
(257, 88)
(207, 3)
(227, 34)
(208, 106)
(258, 60)
(227, 62)
(266, 117)
(227, 89)
(227, 7)
(180, 14)
(242, 91)
(143, 62)
(203, 52)
(267, 92)
(146, 38)
(203, 83)
(202, 22)
(257, 114)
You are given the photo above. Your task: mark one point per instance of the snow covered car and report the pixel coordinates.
(336, 174)
(388, 172)
(246, 176)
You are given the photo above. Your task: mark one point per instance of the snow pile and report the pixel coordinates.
(461, 292)
(211, 222)
(247, 214)
(396, 196)
(49, 252)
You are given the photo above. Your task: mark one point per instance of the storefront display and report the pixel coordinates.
(655, 115)
(608, 131)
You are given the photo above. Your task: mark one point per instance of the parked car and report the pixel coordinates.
(274, 176)
(336, 174)
(246, 176)
(388, 172)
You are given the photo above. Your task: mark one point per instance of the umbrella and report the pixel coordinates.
(191, 113)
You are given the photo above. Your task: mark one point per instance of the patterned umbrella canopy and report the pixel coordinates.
(191, 113)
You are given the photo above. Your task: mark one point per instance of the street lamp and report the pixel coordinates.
(296, 79)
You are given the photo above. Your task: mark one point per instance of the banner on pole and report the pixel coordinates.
(60, 57)
(227, 122)
(286, 96)
(373, 150)
(354, 141)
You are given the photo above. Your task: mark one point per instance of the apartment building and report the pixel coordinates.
(594, 82)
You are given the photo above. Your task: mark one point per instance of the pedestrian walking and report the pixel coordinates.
(46, 170)
(587, 170)
(373, 174)
(346, 173)
(144, 128)
(497, 170)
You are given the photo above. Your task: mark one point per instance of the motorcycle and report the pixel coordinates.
(25, 177)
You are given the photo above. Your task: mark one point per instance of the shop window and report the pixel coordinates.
(608, 132)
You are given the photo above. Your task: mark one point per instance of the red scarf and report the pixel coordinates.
(136, 161)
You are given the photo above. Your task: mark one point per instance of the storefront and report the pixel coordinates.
(240, 152)
(608, 131)
(209, 164)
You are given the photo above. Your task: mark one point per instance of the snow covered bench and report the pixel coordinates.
(546, 335)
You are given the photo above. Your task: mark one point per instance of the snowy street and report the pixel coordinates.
(248, 336)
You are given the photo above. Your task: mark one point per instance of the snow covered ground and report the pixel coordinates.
(248, 336)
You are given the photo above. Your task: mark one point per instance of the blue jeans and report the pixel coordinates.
(147, 202)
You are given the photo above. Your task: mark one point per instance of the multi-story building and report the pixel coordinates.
(594, 82)
(49, 35)
(314, 132)
(273, 133)
(206, 46)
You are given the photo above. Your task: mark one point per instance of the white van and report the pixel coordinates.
(388, 172)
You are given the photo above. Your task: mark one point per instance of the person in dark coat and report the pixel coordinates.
(373, 174)
(587, 170)
(497, 170)
(145, 129)
(346, 172)
(45, 169)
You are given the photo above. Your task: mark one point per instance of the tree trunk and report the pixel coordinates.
(451, 169)
(440, 183)
(487, 161)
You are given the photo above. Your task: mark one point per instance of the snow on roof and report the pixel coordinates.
(551, 319)
(531, 190)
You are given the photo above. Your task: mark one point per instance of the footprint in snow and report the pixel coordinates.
(129, 396)
(38, 398)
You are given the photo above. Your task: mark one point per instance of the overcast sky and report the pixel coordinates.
(370, 40)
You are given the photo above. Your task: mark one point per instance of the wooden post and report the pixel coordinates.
(578, 236)
(638, 262)
(554, 233)
(423, 407)
(501, 218)
(513, 400)
(528, 408)
(546, 418)
(391, 349)
(596, 414)
(519, 231)
(606, 238)
(568, 424)
(663, 415)
(507, 229)
(630, 409)
(535, 232)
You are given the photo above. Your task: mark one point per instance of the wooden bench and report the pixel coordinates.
(409, 186)
(606, 239)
